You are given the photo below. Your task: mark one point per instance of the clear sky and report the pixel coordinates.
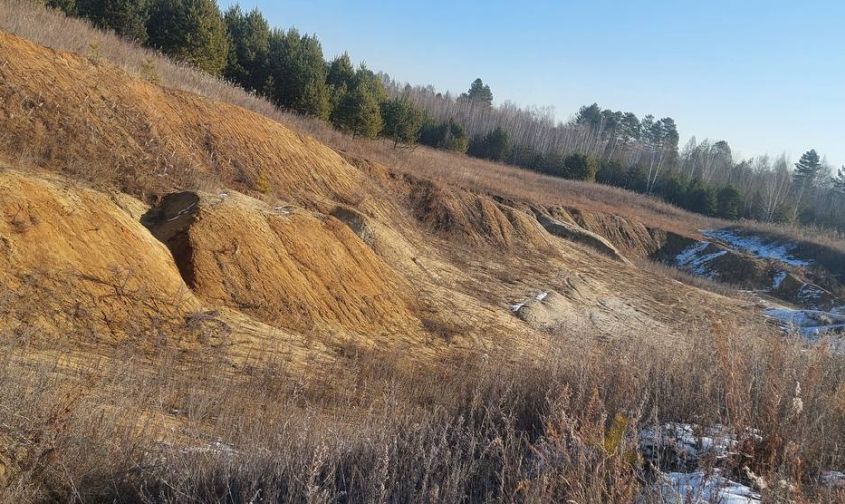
(768, 76)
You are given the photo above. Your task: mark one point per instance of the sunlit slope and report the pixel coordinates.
(78, 115)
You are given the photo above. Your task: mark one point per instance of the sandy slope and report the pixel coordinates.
(282, 237)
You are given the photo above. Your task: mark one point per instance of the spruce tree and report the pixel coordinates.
(192, 31)
(729, 203)
(701, 198)
(495, 145)
(580, 167)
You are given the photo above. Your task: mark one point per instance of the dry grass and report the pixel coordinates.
(171, 431)
(684, 277)
(128, 425)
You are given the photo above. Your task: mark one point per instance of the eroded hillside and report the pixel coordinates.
(194, 245)
(316, 245)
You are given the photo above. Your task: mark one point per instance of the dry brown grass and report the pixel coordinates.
(684, 277)
(167, 430)
(125, 424)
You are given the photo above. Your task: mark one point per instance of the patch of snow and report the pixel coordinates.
(690, 253)
(833, 479)
(809, 292)
(682, 445)
(214, 447)
(699, 265)
(702, 488)
(778, 279)
(756, 245)
(692, 260)
(515, 307)
(810, 324)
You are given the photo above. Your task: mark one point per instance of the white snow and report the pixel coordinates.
(778, 279)
(690, 253)
(809, 292)
(810, 324)
(688, 442)
(692, 260)
(753, 244)
(515, 307)
(701, 488)
(833, 479)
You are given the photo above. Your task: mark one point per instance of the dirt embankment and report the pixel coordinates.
(71, 261)
(800, 273)
(284, 265)
(275, 239)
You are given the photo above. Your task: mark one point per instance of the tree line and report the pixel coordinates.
(610, 147)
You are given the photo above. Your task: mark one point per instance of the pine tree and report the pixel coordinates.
(589, 115)
(192, 31)
(341, 72)
(358, 110)
(402, 121)
(478, 93)
(807, 170)
(298, 73)
(128, 18)
(249, 46)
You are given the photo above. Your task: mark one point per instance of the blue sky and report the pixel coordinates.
(767, 76)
